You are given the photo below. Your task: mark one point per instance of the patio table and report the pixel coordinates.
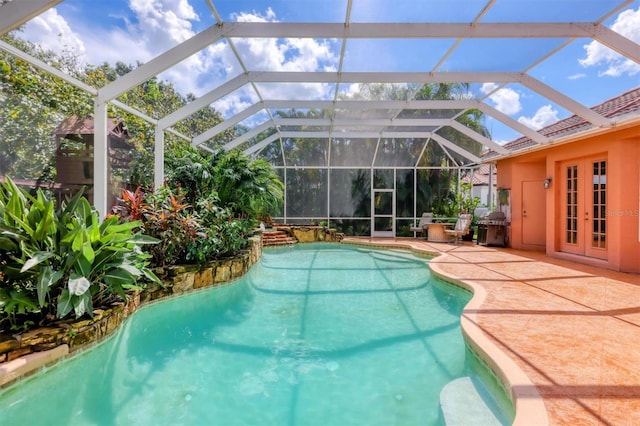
(436, 232)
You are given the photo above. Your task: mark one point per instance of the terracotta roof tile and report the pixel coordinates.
(626, 103)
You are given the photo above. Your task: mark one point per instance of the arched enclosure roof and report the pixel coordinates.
(484, 46)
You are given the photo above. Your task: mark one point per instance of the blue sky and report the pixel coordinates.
(137, 30)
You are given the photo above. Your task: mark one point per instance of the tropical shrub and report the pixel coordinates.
(207, 207)
(186, 233)
(167, 217)
(221, 234)
(248, 188)
(467, 203)
(190, 170)
(57, 260)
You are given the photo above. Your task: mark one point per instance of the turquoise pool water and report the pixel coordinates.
(317, 334)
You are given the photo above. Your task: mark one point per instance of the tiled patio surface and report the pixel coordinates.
(573, 330)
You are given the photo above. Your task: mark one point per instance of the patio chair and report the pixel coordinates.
(462, 226)
(422, 225)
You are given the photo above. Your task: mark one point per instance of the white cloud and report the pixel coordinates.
(544, 116)
(158, 25)
(235, 102)
(52, 32)
(577, 76)
(628, 25)
(505, 100)
(162, 24)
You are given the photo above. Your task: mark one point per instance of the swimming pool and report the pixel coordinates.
(317, 334)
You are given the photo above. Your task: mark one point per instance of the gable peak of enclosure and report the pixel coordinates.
(343, 112)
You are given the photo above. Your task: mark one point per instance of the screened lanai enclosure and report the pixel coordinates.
(366, 186)
(371, 112)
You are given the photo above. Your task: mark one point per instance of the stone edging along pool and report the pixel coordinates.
(528, 404)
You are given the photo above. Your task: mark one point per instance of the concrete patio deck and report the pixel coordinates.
(564, 336)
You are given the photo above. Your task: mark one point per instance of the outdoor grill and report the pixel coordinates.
(492, 229)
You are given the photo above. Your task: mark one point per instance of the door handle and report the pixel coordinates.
(586, 215)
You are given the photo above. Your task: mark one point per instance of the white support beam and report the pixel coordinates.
(100, 160)
(514, 124)
(565, 101)
(203, 101)
(246, 136)
(212, 132)
(352, 134)
(135, 112)
(408, 30)
(478, 137)
(618, 43)
(260, 145)
(370, 104)
(148, 119)
(158, 158)
(44, 66)
(354, 122)
(455, 148)
(382, 77)
(161, 63)
(17, 12)
(178, 134)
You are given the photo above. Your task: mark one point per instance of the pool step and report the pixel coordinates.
(277, 238)
(465, 401)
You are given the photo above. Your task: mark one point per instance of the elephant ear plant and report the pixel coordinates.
(55, 260)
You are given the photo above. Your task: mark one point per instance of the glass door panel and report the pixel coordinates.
(598, 230)
(383, 213)
(584, 203)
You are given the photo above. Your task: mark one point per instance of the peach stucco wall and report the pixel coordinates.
(621, 149)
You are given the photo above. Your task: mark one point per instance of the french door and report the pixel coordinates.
(584, 201)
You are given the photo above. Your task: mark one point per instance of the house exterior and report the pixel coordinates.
(578, 197)
(483, 180)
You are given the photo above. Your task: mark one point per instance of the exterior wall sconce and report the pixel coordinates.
(547, 183)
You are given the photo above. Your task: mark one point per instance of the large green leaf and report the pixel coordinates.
(7, 244)
(130, 269)
(78, 240)
(37, 259)
(151, 276)
(70, 236)
(93, 232)
(78, 285)
(143, 239)
(65, 304)
(46, 279)
(119, 276)
(112, 228)
(14, 301)
(87, 251)
(82, 304)
(83, 266)
(47, 224)
(19, 222)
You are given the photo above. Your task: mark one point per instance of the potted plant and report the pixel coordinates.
(467, 203)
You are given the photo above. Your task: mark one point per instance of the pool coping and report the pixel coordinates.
(527, 402)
